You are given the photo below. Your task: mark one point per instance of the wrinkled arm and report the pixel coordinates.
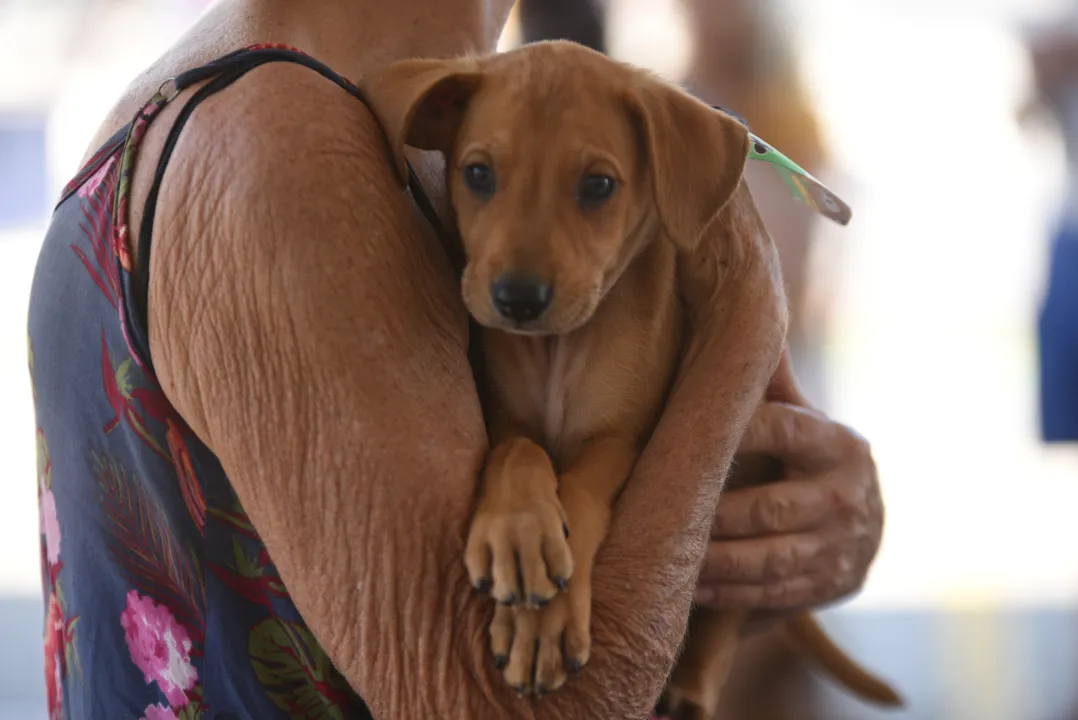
(646, 571)
(307, 327)
(310, 331)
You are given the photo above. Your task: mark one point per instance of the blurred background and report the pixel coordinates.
(916, 324)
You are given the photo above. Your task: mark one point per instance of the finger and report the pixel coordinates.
(763, 620)
(763, 561)
(798, 592)
(784, 387)
(798, 436)
(774, 509)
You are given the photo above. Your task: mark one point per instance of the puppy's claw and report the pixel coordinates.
(565, 529)
(561, 583)
(500, 661)
(537, 601)
(510, 599)
(673, 705)
(574, 665)
(689, 712)
(483, 585)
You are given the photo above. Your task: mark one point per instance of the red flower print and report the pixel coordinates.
(185, 475)
(54, 658)
(97, 227)
(160, 647)
(120, 389)
(90, 186)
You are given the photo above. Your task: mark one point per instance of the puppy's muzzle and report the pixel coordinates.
(520, 298)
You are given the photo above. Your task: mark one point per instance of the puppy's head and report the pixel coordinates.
(561, 165)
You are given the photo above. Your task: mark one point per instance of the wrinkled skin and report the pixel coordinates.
(308, 327)
(807, 540)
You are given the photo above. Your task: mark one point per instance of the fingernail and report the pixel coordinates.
(500, 661)
(565, 529)
(509, 599)
(482, 585)
(561, 582)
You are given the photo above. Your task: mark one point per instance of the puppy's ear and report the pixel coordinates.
(422, 102)
(696, 154)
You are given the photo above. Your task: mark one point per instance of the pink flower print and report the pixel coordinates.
(90, 186)
(160, 647)
(159, 712)
(50, 526)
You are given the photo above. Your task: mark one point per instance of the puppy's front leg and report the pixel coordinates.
(563, 627)
(517, 545)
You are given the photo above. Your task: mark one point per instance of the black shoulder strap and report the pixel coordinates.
(225, 71)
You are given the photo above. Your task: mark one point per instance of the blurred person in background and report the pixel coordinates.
(743, 59)
(1054, 53)
(1054, 56)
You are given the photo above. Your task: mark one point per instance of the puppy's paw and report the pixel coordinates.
(538, 649)
(678, 704)
(517, 548)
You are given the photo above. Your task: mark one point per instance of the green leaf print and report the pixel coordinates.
(247, 568)
(123, 378)
(294, 671)
(190, 711)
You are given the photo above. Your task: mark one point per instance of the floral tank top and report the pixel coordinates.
(161, 599)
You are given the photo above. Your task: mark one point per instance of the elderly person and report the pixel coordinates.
(258, 444)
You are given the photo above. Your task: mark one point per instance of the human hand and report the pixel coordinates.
(803, 541)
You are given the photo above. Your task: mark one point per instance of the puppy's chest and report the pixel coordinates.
(555, 398)
(566, 390)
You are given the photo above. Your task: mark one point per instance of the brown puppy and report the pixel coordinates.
(575, 181)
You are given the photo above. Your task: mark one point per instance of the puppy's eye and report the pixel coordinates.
(596, 189)
(480, 179)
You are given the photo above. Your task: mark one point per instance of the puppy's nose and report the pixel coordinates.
(520, 298)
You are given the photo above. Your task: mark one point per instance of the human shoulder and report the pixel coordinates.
(286, 113)
(284, 214)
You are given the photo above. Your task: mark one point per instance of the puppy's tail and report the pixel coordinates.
(805, 632)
